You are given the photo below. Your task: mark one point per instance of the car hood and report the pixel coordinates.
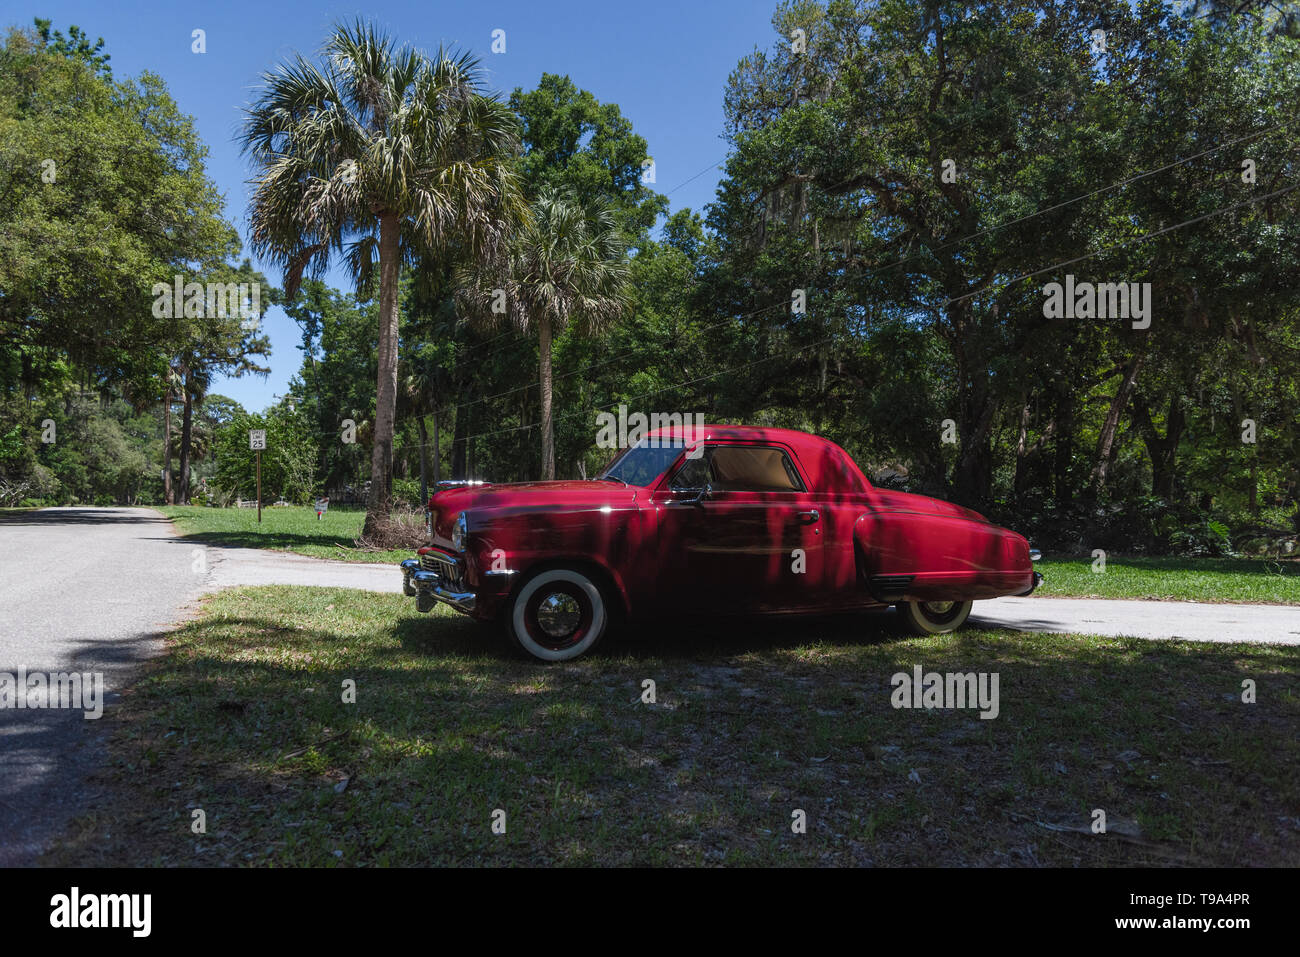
(542, 495)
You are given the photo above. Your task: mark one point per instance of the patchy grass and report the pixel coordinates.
(244, 720)
(1256, 580)
(286, 528)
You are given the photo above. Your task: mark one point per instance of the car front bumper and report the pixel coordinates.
(1038, 580)
(430, 586)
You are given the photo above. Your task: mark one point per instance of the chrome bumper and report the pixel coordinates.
(428, 588)
(1038, 580)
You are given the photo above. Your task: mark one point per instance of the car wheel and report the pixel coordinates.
(558, 615)
(934, 617)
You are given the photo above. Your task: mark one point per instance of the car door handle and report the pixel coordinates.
(808, 517)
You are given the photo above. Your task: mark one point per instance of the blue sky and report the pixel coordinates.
(664, 63)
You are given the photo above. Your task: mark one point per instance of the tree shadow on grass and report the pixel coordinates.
(279, 540)
(690, 638)
(241, 723)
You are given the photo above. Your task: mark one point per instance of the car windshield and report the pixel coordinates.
(643, 463)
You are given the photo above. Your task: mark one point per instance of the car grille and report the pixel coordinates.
(445, 566)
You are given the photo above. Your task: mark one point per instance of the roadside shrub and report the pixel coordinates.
(1206, 537)
(406, 494)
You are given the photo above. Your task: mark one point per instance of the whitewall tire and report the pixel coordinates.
(934, 617)
(558, 615)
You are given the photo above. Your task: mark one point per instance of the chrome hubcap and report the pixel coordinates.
(558, 614)
(938, 607)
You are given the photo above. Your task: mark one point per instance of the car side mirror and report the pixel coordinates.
(695, 496)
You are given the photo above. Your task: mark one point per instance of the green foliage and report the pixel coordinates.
(406, 493)
(336, 382)
(574, 142)
(288, 462)
(104, 193)
(80, 449)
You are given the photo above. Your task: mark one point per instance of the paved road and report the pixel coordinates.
(93, 590)
(1188, 620)
(81, 590)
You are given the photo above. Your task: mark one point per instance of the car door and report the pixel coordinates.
(740, 531)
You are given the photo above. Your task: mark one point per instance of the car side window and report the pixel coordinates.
(748, 468)
(740, 468)
(693, 474)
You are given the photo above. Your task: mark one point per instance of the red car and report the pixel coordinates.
(729, 519)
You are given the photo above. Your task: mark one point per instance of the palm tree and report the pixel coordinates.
(567, 264)
(380, 155)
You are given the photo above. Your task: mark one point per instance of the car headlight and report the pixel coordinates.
(459, 533)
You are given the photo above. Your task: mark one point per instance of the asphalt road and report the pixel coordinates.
(81, 590)
(1186, 620)
(94, 590)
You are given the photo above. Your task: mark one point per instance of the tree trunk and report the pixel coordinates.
(973, 477)
(424, 461)
(548, 426)
(1020, 481)
(167, 447)
(381, 457)
(187, 434)
(437, 453)
(1106, 441)
(1063, 451)
(459, 435)
(974, 467)
(1162, 450)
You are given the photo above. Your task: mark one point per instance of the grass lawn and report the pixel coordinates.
(1189, 579)
(244, 720)
(287, 528)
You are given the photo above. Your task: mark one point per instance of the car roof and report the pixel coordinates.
(829, 468)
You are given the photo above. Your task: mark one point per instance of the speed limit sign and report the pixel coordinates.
(257, 439)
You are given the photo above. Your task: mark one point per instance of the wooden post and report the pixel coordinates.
(259, 486)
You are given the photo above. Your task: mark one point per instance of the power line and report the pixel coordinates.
(713, 165)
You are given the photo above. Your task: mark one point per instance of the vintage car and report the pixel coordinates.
(707, 520)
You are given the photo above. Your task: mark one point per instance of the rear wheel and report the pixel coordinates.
(934, 617)
(558, 615)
